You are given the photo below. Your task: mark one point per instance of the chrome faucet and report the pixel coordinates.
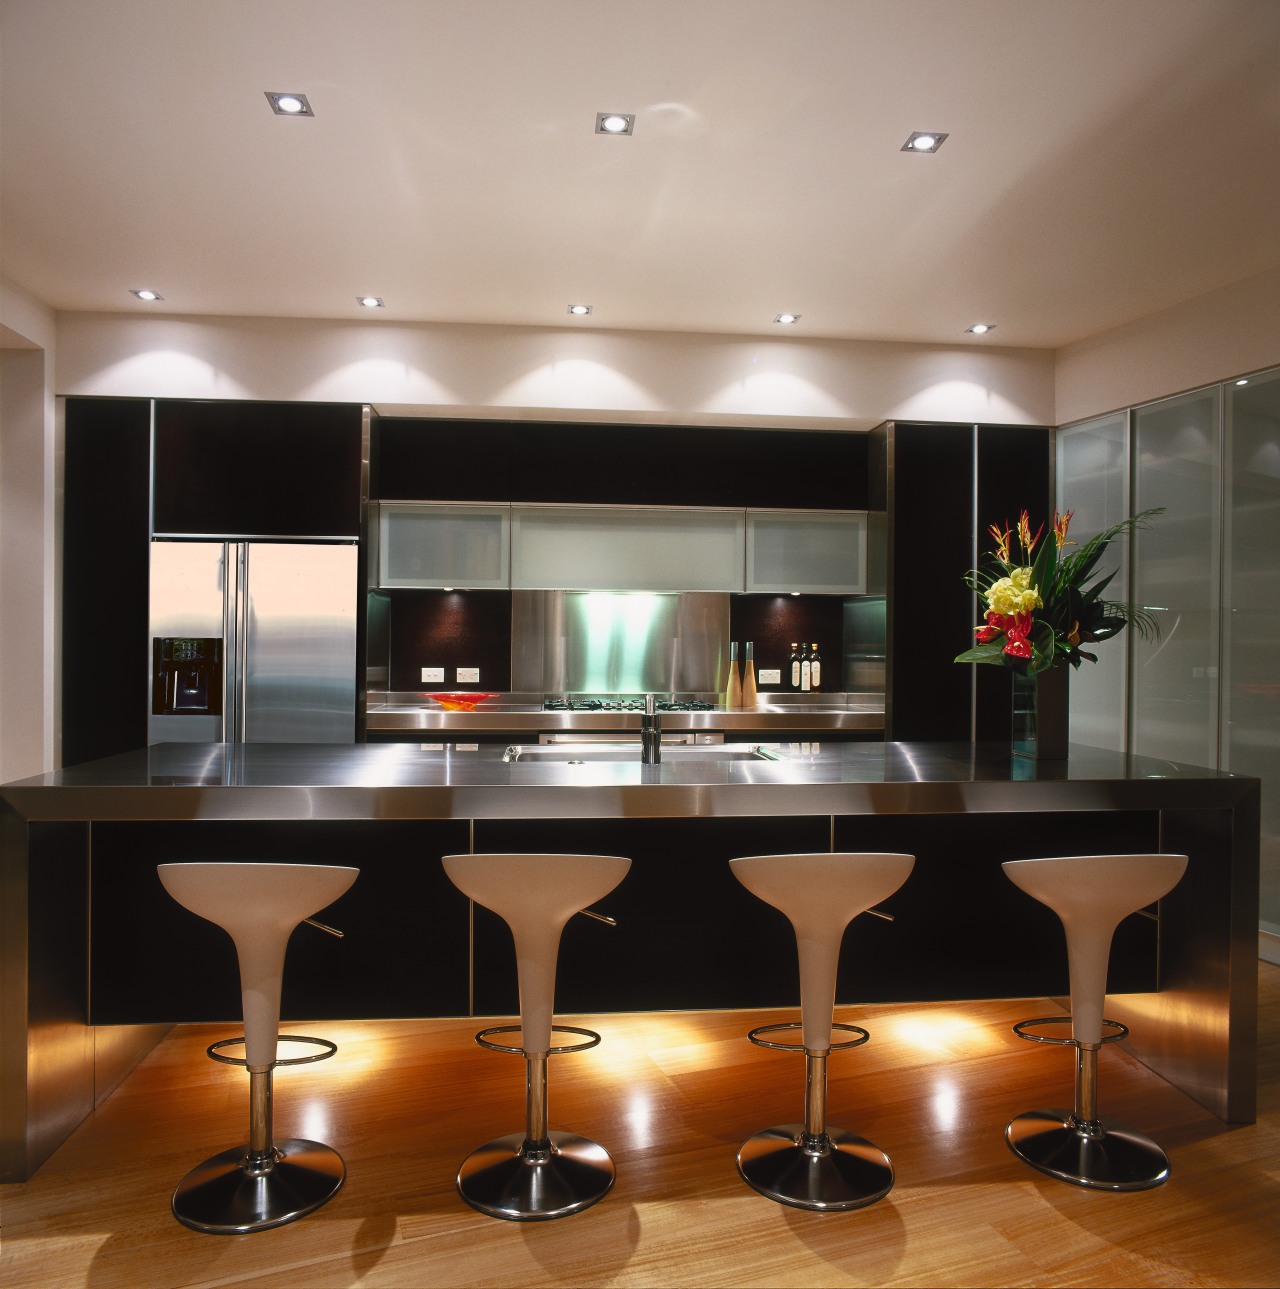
(650, 732)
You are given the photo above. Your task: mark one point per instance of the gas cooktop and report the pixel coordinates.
(585, 703)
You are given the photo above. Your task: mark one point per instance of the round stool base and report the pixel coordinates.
(220, 1198)
(500, 1180)
(851, 1173)
(1118, 1160)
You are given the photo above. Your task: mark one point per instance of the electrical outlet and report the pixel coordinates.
(433, 675)
(771, 676)
(468, 675)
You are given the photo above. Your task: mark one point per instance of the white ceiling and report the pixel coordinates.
(1107, 158)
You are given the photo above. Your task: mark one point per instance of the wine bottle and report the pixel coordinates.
(793, 664)
(815, 668)
(806, 670)
(749, 678)
(733, 694)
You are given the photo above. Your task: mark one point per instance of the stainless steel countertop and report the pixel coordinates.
(523, 713)
(405, 781)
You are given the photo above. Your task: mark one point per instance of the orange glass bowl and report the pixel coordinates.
(459, 702)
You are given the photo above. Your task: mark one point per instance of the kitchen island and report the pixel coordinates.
(97, 962)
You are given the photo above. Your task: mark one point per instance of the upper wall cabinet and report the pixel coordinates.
(443, 546)
(619, 548)
(814, 553)
(231, 469)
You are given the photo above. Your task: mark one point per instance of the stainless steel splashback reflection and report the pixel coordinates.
(603, 642)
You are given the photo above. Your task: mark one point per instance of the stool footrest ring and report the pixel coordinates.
(800, 1047)
(1121, 1031)
(215, 1053)
(593, 1039)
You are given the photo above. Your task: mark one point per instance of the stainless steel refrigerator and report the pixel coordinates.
(253, 642)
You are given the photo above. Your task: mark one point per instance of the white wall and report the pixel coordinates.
(562, 373)
(28, 537)
(1226, 333)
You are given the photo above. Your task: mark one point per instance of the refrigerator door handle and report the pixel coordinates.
(242, 661)
(228, 642)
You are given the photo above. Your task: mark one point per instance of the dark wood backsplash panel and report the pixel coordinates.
(450, 629)
(772, 622)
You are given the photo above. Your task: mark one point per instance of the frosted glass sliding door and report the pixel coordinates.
(1093, 480)
(1174, 685)
(1251, 692)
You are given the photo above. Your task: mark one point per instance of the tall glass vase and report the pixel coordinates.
(1041, 715)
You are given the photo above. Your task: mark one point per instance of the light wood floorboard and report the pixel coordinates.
(672, 1096)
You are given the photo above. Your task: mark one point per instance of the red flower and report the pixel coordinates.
(995, 625)
(1016, 631)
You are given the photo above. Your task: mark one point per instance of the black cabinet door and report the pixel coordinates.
(257, 469)
(105, 570)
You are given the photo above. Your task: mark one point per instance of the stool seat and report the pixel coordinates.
(268, 1182)
(538, 1174)
(1091, 894)
(811, 1165)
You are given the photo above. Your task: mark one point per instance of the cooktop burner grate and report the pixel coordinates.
(585, 703)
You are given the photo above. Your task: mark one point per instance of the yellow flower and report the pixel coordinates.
(1014, 594)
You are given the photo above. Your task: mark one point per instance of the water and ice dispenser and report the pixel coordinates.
(186, 676)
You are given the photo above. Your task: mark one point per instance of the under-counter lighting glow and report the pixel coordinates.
(147, 295)
(787, 319)
(924, 141)
(615, 123)
(370, 302)
(1244, 380)
(283, 104)
(981, 328)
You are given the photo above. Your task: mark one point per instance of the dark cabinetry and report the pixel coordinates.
(423, 459)
(258, 469)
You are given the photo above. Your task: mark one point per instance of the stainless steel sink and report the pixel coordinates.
(595, 753)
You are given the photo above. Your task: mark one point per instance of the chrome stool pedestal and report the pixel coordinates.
(538, 1174)
(268, 1182)
(1090, 894)
(811, 1165)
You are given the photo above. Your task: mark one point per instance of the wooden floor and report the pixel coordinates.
(672, 1096)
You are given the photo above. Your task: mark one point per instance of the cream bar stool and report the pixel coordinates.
(267, 1182)
(537, 1174)
(1091, 894)
(810, 1165)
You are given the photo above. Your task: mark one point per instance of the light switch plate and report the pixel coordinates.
(468, 675)
(433, 675)
(771, 676)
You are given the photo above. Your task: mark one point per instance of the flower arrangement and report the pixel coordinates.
(1040, 609)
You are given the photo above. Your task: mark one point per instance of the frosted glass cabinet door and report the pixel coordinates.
(808, 551)
(1174, 687)
(437, 546)
(1093, 480)
(616, 548)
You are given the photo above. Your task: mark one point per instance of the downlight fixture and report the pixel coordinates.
(289, 104)
(615, 122)
(370, 302)
(980, 328)
(788, 319)
(147, 294)
(925, 141)
(579, 310)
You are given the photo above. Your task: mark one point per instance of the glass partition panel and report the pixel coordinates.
(1093, 481)
(1251, 692)
(1174, 686)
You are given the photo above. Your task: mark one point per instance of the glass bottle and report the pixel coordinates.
(793, 669)
(815, 668)
(806, 670)
(733, 694)
(749, 678)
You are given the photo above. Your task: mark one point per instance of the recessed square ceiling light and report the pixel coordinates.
(924, 141)
(370, 302)
(579, 310)
(147, 295)
(787, 319)
(981, 328)
(615, 122)
(289, 104)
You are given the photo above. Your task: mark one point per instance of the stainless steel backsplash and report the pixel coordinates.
(602, 642)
